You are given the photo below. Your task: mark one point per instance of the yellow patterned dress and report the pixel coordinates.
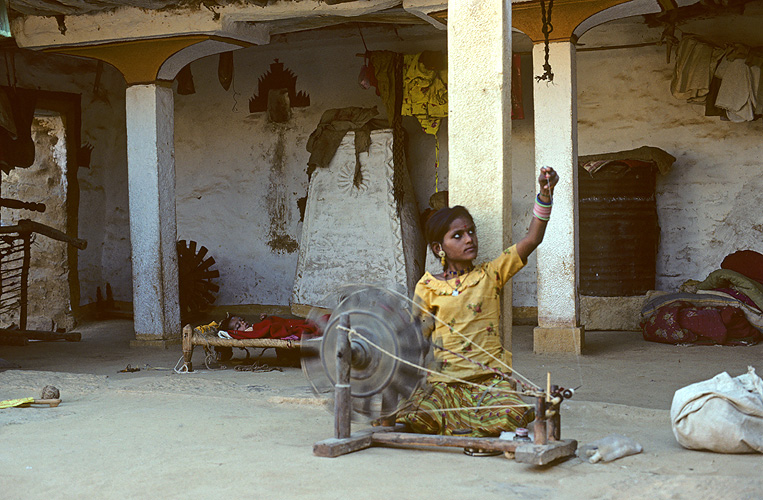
(468, 308)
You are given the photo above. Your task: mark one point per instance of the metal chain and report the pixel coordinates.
(547, 29)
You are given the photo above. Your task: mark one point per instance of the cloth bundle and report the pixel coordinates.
(724, 79)
(723, 414)
(681, 322)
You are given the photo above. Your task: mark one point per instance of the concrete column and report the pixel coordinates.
(556, 140)
(479, 124)
(153, 224)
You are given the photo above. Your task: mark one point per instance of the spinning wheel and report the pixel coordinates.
(385, 345)
(371, 354)
(195, 274)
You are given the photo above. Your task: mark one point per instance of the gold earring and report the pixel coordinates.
(441, 253)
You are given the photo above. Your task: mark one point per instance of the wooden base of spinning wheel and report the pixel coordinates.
(546, 448)
(529, 453)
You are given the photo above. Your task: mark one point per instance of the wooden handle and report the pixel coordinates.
(51, 402)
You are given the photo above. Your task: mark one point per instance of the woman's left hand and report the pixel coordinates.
(547, 180)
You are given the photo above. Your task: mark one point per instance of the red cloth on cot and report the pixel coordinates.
(746, 262)
(276, 328)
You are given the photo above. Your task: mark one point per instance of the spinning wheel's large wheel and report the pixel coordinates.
(386, 343)
(195, 275)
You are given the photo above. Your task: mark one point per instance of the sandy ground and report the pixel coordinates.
(213, 433)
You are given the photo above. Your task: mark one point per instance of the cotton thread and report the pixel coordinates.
(352, 331)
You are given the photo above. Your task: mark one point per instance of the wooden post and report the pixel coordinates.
(187, 341)
(539, 427)
(555, 422)
(342, 390)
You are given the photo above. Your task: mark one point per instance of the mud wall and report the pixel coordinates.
(708, 205)
(103, 214)
(241, 178)
(48, 302)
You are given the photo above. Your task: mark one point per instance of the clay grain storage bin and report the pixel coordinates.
(619, 231)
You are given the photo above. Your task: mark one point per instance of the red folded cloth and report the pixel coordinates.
(737, 325)
(684, 323)
(276, 328)
(705, 322)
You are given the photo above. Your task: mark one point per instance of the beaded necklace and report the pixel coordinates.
(457, 275)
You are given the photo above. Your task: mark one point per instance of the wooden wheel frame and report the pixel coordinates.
(197, 291)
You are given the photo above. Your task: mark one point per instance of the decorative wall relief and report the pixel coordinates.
(276, 79)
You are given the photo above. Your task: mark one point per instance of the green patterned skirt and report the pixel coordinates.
(442, 408)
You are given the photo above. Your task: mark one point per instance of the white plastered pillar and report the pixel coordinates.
(153, 224)
(479, 125)
(556, 142)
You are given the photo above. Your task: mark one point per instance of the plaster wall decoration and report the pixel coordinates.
(277, 77)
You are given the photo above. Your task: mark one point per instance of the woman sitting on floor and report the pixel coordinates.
(466, 299)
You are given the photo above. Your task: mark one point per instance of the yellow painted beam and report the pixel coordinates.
(138, 60)
(566, 16)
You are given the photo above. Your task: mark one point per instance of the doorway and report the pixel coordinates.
(50, 187)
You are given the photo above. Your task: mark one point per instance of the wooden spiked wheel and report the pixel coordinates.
(195, 275)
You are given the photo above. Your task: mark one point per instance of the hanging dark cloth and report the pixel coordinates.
(17, 150)
(185, 81)
(225, 69)
(334, 125)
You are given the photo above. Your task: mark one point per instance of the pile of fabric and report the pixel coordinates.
(726, 80)
(726, 308)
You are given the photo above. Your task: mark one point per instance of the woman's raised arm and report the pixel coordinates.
(547, 179)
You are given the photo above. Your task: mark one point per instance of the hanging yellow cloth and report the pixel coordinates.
(383, 62)
(425, 93)
(425, 97)
(424, 89)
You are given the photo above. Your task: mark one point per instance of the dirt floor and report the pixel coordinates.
(154, 433)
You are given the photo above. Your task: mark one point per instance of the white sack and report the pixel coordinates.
(723, 414)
